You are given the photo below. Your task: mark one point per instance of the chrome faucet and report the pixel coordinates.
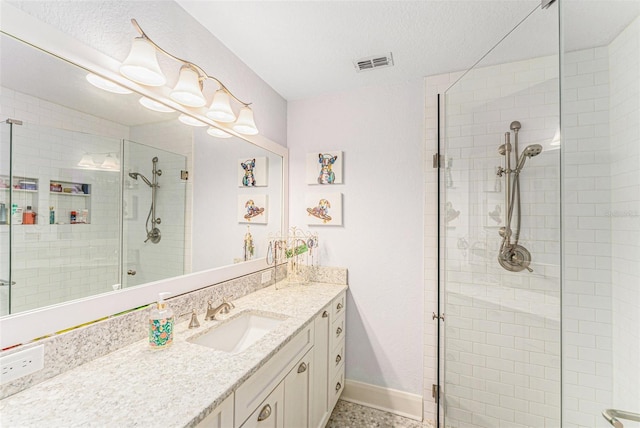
(212, 312)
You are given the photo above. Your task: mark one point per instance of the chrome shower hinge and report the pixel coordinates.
(438, 160)
(184, 175)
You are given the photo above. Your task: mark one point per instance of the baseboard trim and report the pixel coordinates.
(390, 400)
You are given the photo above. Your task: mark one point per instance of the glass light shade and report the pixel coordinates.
(109, 163)
(218, 133)
(155, 106)
(188, 120)
(106, 85)
(86, 161)
(142, 64)
(245, 124)
(187, 91)
(220, 109)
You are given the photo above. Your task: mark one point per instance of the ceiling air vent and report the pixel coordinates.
(372, 62)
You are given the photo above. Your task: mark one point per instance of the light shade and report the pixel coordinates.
(155, 106)
(188, 120)
(109, 162)
(106, 85)
(142, 65)
(86, 161)
(188, 91)
(220, 109)
(245, 124)
(218, 133)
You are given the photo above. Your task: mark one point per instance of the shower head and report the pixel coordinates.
(135, 176)
(528, 152)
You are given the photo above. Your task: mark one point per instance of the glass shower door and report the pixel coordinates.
(5, 214)
(154, 199)
(500, 217)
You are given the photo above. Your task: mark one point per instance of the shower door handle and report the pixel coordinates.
(6, 282)
(612, 415)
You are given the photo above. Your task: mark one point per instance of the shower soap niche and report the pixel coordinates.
(66, 197)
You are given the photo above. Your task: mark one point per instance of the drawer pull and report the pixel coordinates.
(339, 306)
(325, 314)
(302, 368)
(264, 413)
(338, 331)
(338, 386)
(338, 359)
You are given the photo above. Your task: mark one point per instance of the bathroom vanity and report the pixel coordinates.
(292, 376)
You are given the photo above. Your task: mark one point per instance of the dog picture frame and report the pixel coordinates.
(324, 168)
(252, 209)
(324, 209)
(253, 172)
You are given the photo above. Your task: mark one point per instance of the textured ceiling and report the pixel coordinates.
(306, 48)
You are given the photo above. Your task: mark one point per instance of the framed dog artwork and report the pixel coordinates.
(253, 172)
(324, 168)
(252, 209)
(324, 209)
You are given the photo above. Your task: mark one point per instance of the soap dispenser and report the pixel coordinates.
(161, 324)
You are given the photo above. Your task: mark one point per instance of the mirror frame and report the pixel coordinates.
(24, 327)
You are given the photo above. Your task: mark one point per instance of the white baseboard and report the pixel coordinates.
(390, 400)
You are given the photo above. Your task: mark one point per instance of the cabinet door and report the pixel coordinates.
(270, 413)
(221, 417)
(297, 393)
(319, 396)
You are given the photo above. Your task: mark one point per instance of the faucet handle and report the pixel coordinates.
(194, 323)
(225, 300)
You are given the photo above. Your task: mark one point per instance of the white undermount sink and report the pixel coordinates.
(237, 334)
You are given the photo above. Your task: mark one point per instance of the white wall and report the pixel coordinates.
(380, 132)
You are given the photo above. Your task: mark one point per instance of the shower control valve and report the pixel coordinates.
(500, 170)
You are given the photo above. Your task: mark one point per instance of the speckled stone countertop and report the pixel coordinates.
(174, 387)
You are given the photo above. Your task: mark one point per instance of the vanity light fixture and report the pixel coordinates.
(99, 161)
(155, 106)
(218, 133)
(86, 161)
(107, 85)
(142, 67)
(188, 120)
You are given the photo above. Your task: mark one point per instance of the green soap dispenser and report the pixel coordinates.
(161, 322)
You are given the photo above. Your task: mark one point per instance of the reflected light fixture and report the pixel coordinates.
(155, 105)
(141, 66)
(188, 120)
(107, 85)
(218, 133)
(86, 161)
(245, 124)
(110, 162)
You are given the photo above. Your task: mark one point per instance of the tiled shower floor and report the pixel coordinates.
(350, 415)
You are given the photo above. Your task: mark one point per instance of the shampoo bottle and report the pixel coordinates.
(161, 324)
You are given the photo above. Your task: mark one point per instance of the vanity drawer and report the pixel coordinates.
(254, 390)
(337, 331)
(338, 305)
(336, 386)
(270, 412)
(336, 359)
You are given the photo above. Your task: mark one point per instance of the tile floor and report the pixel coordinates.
(350, 415)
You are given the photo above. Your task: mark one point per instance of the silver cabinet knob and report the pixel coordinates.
(338, 331)
(131, 272)
(338, 359)
(302, 368)
(339, 306)
(338, 386)
(325, 314)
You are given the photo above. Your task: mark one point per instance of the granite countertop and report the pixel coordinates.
(173, 387)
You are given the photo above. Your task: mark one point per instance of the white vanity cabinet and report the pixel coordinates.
(298, 390)
(270, 413)
(221, 417)
(328, 351)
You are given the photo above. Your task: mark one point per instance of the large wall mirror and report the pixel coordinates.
(100, 195)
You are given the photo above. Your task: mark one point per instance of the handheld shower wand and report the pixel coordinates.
(512, 256)
(153, 234)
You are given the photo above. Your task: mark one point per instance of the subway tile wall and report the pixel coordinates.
(53, 263)
(502, 330)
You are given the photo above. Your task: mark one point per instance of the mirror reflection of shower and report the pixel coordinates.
(153, 233)
(513, 256)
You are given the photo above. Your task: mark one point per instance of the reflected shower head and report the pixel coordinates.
(135, 176)
(528, 152)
